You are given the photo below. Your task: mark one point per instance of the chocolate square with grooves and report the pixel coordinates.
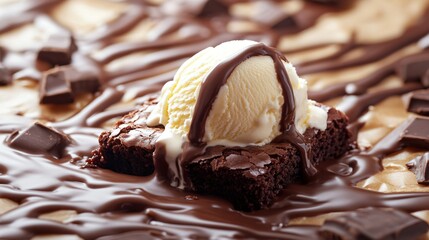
(55, 88)
(417, 133)
(40, 139)
(413, 68)
(419, 102)
(57, 50)
(374, 223)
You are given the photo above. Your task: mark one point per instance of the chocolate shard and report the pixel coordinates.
(199, 8)
(212, 8)
(272, 15)
(374, 223)
(82, 81)
(416, 133)
(57, 50)
(419, 166)
(326, 1)
(425, 79)
(5, 77)
(55, 88)
(413, 68)
(419, 102)
(39, 139)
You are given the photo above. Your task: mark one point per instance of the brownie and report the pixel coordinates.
(249, 177)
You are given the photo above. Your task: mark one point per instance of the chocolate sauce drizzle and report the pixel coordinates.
(219, 76)
(109, 204)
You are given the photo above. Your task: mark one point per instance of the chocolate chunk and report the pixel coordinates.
(212, 8)
(425, 79)
(326, 1)
(40, 139)
(419, 166)
(82, 81)
(5, 77)
(57, 50)
(55, 88)
(417, 133)
(374, 223)
(413, 68)
(272, 15)
(61, 84)
(419, 102)
(199, 8)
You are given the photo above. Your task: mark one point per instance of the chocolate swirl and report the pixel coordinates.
(107, 205)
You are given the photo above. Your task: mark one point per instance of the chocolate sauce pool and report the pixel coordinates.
(119, 206)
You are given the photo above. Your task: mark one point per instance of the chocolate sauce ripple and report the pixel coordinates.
(109, 205)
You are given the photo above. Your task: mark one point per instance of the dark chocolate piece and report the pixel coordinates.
(413, 68)
(5, 77)
(212, 8)
(55, 88)
(425, 79)
(57, 50)
(198, 8)
(249, 177)
(272, 15)
(374, 223)
(82, 81)
(417, 133)
(39, 138)
(419, 102)
(326, 1)
(419, 166)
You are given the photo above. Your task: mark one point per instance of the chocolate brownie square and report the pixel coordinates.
(249, 177)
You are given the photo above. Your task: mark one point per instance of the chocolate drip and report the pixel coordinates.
(219, 76)
(114, 205)
(371, 52)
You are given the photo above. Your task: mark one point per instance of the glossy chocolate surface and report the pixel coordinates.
(101, 203)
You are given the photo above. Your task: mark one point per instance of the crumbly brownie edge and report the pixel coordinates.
(253, 185)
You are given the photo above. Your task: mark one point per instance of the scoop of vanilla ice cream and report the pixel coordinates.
(247, 109)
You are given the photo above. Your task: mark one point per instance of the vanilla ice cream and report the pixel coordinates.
(248, 107)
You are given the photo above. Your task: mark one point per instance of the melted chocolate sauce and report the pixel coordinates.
(112, 205)
(218, 77)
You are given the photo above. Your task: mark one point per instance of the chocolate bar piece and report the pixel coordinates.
(425, 79)
(413, 68)
(61, 84)
(198, 8)
(5, 77)
(419, 102)
(212, 8)
(82, 81)
(419, 166)
(374, 223)
(57, 50)
(39, 138)
(55, 88)
(417, 133)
